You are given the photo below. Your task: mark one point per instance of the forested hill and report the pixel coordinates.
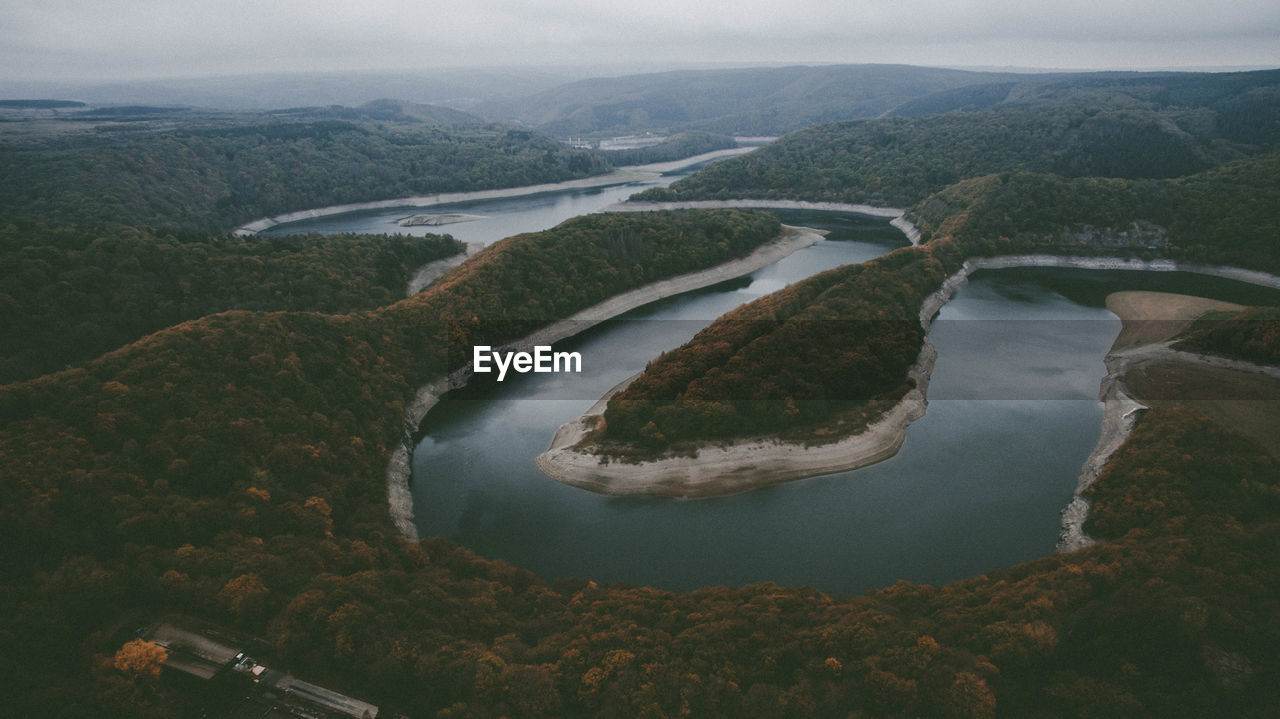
(214, 173)
(1228, 215)
(233, 467)
(68, 294)
(1145, 127)
(223, 465)
(748, 101)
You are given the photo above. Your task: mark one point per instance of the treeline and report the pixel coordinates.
(1252, 335)
(1103, 133)
(676, 147)
(1227, 215)
(216, 178)
(837, 342)
(69, 294)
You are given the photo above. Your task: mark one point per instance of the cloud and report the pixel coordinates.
(157, 37)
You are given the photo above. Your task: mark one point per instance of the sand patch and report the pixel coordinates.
(1150, 317)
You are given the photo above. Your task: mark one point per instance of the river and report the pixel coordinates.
(978, 485)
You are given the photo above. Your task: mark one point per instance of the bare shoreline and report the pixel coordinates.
(620, 176)
(719, 469)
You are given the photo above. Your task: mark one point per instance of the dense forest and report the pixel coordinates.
(1175, 615)
(832, 343)
(232, 466)
(215, 174)
(68, 294)
(1108, 166)
(527, 281)
(1228, 215)
(151, 471)
(1129, 130)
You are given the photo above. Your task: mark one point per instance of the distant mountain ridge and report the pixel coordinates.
(778, 100)
(384, 111)
(749, 101)
(1127, 125)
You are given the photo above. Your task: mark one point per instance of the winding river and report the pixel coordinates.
(978, 485)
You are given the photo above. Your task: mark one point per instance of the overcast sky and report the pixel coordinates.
(124, 39)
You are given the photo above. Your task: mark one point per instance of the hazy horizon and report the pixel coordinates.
(596, 71)
(147, 40)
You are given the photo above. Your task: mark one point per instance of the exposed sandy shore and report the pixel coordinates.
(1149, 317)
(428, 220)
(721, 469)
(898, 215)
(620, 176)
(399, 496)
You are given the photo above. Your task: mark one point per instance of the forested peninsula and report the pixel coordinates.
(822, 358)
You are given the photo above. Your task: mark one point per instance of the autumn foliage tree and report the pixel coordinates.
(140, 659)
